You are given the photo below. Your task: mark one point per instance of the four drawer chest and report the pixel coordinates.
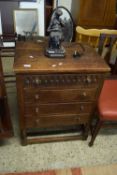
(56, 96)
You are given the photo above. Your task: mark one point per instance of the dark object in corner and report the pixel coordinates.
(79, 52)
(76, 54)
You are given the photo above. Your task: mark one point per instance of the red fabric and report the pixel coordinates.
(73, 171)
(76, 171)
(107, 104)
(32, 173)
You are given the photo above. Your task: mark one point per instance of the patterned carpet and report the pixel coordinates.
(97, 170)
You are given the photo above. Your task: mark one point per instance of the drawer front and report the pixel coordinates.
(55, 80)
(55, 121)
(60, 96)
(62, 108)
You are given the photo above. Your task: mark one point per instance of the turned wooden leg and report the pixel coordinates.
(86, 131)
(1, 128)
(95, 132)
(23, 138)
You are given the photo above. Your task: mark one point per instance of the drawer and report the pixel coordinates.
(54, 80)
(60, 96)
(55, 121)
(60, 108)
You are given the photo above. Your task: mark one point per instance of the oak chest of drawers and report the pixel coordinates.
(57, 97)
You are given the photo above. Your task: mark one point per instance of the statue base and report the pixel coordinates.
(55, 53)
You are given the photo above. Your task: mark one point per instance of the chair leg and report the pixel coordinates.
(95, 132)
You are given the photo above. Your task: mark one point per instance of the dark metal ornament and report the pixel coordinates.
(56, 36)
(60, 29)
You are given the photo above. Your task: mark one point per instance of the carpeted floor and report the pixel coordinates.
(56, 155)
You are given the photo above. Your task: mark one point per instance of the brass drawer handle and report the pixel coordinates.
(88, 80)
(36, 96)
(84, 94)
(82, 108)
(37, 81)
(36, 110)
(37, 121)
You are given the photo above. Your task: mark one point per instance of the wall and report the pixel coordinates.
(65, 3)
(72, 5)
(6, 9)
(75, 7)
(0, 25)
(39, 5)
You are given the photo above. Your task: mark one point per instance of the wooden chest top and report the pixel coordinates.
(30, 58)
